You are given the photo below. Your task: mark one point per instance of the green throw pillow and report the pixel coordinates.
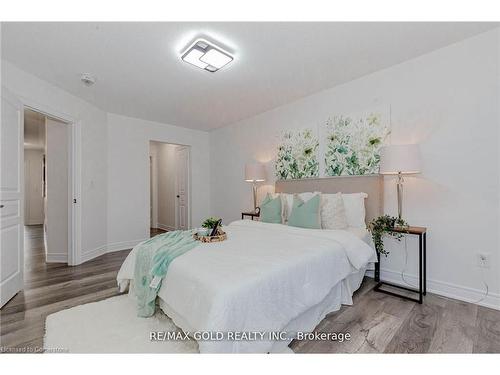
(270, 209)
(305, 214)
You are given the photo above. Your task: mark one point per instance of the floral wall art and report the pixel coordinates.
(353, 145)
(350, 145)
(297, 155)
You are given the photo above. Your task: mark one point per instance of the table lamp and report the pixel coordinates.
(400, 160)
(255, 172)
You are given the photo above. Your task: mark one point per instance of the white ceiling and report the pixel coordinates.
(139, 72)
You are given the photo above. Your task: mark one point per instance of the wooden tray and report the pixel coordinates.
(218, 238)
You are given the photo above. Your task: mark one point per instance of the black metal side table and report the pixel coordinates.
(251, 214)
(421, 232)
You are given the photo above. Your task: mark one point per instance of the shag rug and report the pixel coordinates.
(110, 326)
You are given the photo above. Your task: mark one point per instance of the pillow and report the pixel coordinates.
(288, 202)
(270, 210)
(354, 205)
(305, 214)
(283, 205)
(333, 212)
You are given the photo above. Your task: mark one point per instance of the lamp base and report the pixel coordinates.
(399, 188)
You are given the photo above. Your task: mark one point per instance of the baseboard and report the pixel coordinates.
(56, 258)
(125, 245)
(165, 227)
(109, 248)
(91, 254)
(444, 289)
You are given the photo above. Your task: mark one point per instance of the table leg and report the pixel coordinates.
(420, 269)
(425, 264)
(377, 269)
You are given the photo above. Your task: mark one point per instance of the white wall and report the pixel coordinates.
(124, 204)
(33, 187)
(447, 101)
(128, 175)
(47, 97)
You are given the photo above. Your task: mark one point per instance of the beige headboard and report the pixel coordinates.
(369, 184)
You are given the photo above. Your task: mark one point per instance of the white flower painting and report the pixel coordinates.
(353, 145)
(297, 155)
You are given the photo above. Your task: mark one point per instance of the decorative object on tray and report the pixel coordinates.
(384, 225)
(211, 231)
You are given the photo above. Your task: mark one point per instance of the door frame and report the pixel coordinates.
(74, 175)
(189, 225)
(189, 180)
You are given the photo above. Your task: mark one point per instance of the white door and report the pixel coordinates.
(11, 193)
(58, 235)
(182, 194)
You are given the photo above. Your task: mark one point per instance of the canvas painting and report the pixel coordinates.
(297, 155)
(353, 144)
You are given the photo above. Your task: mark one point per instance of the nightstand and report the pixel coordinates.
(251, 214)
(421, 232)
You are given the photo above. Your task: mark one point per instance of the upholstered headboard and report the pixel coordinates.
(369, 184)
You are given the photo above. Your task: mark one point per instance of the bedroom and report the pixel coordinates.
(344, 199)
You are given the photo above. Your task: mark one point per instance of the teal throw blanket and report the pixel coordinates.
(151, 264)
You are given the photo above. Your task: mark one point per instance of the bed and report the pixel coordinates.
(268, 278)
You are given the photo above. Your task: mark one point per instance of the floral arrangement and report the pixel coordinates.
(353, 146)
(297, 155)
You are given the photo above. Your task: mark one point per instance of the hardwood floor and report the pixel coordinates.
(377, 323)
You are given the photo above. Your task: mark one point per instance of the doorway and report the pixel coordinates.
(46, 188)
(169, 187)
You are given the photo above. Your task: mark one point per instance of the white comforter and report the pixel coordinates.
(259, 279)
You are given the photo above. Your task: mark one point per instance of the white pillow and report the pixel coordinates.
(333, 214)
(354, 205)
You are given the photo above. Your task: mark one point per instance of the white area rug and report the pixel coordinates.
(110, 326)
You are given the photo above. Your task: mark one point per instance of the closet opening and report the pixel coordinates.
(169, 187)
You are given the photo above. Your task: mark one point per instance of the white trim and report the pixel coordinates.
(165, 227)
(56, 258)
(443, 288)
(91, 254)
(109, 248)
(74, 173)
(125, 245)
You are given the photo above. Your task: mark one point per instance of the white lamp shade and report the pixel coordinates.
(403, 159)
(255, 172)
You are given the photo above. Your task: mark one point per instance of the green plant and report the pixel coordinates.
(381, 226)
(210, 222)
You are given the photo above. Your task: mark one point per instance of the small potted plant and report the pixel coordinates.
(383, 225)
(211, 223)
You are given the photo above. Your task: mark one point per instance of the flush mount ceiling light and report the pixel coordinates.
(206, 55)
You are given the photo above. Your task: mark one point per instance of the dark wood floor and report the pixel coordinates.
(378, 323)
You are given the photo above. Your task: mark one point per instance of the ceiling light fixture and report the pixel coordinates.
(206, 55)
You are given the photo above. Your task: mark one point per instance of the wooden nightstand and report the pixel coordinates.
(251, 214)
(421, 232)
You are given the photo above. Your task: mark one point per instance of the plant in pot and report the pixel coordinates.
(211, 223)
(383, 225)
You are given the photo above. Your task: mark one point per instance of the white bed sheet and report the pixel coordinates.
(263, 278)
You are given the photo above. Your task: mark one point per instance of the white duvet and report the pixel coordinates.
(262, 277)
